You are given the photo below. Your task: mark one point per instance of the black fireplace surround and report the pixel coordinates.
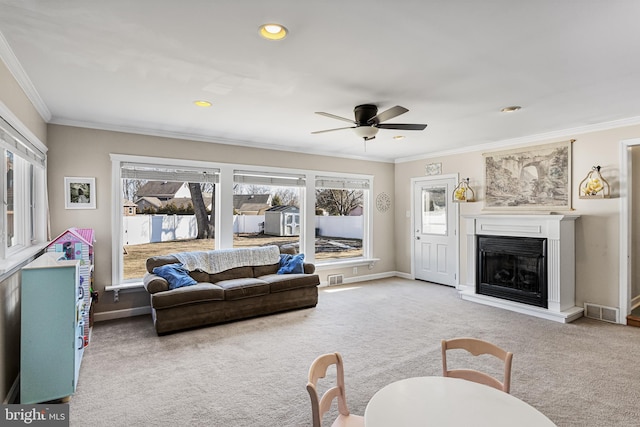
(512, 268)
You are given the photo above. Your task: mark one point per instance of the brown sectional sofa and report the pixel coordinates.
(239, 292)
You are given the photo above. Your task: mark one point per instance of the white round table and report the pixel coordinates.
(443, 401)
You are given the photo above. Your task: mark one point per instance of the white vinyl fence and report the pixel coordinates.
(248, 223)
(349, 227)
(140, 229)
(158, 228)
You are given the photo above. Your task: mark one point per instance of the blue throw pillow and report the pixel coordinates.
(284, 259)
(175, 274)
(291, 264)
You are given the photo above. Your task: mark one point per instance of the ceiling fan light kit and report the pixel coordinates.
(367, 121)
(366, 132)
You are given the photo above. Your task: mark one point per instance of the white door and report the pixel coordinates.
(435, 230)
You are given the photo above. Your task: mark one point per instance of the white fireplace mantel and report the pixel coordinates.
(559, 230)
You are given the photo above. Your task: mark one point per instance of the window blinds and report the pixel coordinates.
(268, 178)
(338, 183)
(13, 141)
(168, 173)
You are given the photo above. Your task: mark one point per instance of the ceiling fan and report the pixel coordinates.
(368, 121)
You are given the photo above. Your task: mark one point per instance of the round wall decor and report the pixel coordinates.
(383, 202)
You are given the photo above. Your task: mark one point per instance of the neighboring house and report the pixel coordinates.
(129, 208)
(144, 203)
(251, 204)
(164, 190)
(157, 194)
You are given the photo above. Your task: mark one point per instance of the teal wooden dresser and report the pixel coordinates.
(52, 335)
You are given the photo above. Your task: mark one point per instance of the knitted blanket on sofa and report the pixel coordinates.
(224, 259)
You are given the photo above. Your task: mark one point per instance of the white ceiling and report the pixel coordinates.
(139, 65)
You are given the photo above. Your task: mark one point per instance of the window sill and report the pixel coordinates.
(15, 261)
(369, 262)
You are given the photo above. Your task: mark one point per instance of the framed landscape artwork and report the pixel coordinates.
(531, 178)
(79, 193)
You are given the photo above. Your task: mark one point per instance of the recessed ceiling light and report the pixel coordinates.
(201, 103)
(273, 31)
(510, 109)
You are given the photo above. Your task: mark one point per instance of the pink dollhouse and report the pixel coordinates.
(77, 243)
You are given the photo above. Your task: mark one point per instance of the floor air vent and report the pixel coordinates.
(335, 279)
(594, 311)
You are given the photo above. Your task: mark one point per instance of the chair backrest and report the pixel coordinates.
(320, 405)
(478, 347)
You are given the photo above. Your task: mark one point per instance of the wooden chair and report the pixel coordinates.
(478, 347)
(320, 406)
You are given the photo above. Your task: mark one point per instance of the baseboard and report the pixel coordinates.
(367, 277)
(404, 275)
(119, 314)
(12, 396)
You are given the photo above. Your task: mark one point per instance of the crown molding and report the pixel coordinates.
(15, 68)
(507, 143)
(202, 138)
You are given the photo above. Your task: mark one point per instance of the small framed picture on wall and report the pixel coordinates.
(79, 193)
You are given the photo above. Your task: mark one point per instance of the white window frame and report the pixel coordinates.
(117, 163)
(224, 197)
(364, 183)
(29, 193)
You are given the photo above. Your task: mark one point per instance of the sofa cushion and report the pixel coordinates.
(157, 261)
(243, 288)
(200, 276)
(233, 273)
(263, 270)
(200, 292)
(175, 274)
(286, 282)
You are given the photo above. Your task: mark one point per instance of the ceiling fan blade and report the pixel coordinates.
(401, 126)
(333, 116)
(388, 114)
(331, 130)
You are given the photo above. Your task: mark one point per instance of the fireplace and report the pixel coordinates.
(523, 263)
(513, 268)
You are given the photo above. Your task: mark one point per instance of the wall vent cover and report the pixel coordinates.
(335, 279)
(600, 312)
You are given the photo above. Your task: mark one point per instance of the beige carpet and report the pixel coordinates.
(253, 373)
